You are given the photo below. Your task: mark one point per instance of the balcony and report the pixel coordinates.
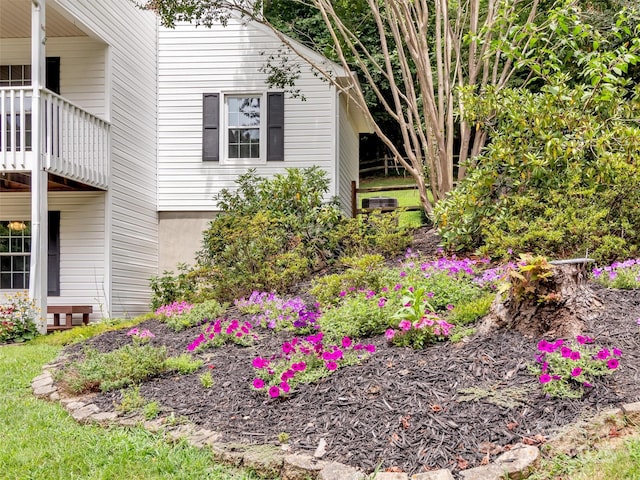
(75, 143)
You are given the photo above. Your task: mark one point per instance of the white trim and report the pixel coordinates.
(224, 129)
(335, 143)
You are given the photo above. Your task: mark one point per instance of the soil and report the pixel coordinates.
(446, 406)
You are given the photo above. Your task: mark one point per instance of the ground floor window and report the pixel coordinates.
(15, 254)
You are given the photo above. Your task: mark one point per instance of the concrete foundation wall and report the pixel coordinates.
(180, 237)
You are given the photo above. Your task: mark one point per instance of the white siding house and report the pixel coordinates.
(116, 135)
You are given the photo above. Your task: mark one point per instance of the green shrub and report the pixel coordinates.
(18, 316)
(470, 310)
(170, 287)
(376, 232)
(125, 366)
(367, 271)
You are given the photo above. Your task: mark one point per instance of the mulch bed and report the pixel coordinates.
(401, 409)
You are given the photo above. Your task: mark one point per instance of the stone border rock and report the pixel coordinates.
(270, 461)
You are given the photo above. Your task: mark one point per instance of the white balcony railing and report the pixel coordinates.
(75, 143)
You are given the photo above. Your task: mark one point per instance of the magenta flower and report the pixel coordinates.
(346, 342)
(545, 378)
(382, 302)
(566, 352)
(613, 363)
(430, 294)
(331, 366)
(258, 383)
(617, 352)
(370, 348)
(576, 372)
(405, 325)
(342, 293)
(603, 354)
(287, 348)
(450, 307)
(260, 362)
(575, 355)
(274, 392)
(285, 387)
(298, 367)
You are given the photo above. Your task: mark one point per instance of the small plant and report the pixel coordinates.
(530, 278)
(184, 315)
(418, 324)
(625, 275)
(206, 379)
(151, 410)
(169, 288)
(18, 316)
(283, 437)
(183, 364)
(131, 400)
(221, 332)
(564, 368)
(305, 361)
(140, 337)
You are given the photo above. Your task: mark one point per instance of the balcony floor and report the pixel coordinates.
(21, 182)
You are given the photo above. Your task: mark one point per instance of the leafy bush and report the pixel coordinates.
(470, 310)
(271, 233)
(170, 287)
(18, 318)
(183, 364)
(376, 232)
(367, 271)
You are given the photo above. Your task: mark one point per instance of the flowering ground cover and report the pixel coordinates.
(445, 405)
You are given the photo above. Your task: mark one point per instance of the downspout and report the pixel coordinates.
(39, 202)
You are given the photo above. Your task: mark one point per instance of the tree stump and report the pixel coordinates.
(559, 306)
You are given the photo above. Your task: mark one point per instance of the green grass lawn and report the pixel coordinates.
(406, 198)
(39, 440)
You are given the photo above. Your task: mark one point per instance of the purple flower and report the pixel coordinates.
(613, 363)
(450, 307)
(274, 392)
(544, 378)
(430, 294)
(576, 372)
(403, 274)
(342, 293)
(258, 383)
(331, 365)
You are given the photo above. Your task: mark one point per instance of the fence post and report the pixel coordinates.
(354, 199)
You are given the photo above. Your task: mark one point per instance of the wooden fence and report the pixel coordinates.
(355, 210)
(384, 164)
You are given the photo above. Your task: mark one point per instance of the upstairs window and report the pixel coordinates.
(243, 128)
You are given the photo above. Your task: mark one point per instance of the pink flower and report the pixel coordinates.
(260, 362)
(382, 302)
(287, 348)
(298, 367)
(285, 387)
(603, 354)
(613, 363)
(331, 366)
(430, 294)
(576, 372)
(258, 383)
(370, 348)
(405, 325)
(274, 392)
(575, 355)
(346, 342)
(544, 378)
(617, 352)
(566, 352)
(450, 307)
(133, 331)
(390, 333)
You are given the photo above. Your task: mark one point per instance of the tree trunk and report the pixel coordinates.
(559, 307)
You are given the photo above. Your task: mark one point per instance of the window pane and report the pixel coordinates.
(4, 72)
(5, 264)
(234, 151)
(5, 280)
(16, 245)
(18, 280)
(27, 244)
(255, 151)
(244, 151)
(4, 244)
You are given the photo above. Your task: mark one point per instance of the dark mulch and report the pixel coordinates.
(401, 408)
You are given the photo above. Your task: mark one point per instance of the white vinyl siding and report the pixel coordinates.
(82, 254)
(194, 61)
(348, 150)
(130, 89)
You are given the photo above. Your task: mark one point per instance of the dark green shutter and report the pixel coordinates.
(210, 127)
(53, 265)
(275, 126)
